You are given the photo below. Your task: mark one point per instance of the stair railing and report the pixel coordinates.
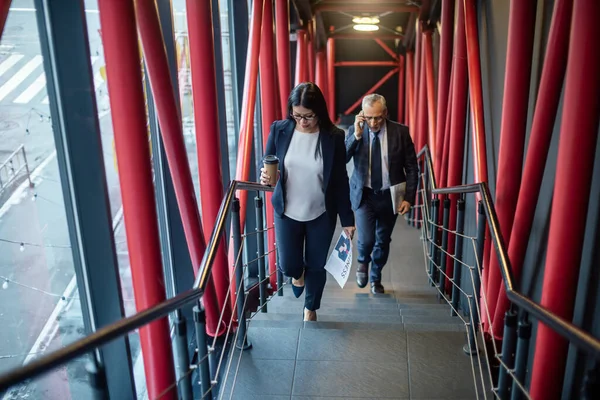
(440, 260)
(207, 360)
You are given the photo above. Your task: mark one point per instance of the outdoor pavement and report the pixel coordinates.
(39, 301)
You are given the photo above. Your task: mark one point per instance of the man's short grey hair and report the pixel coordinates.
(371, 99)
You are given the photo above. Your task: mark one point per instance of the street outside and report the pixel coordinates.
(39, 303)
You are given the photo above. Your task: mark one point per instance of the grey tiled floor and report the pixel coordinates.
(402, 345)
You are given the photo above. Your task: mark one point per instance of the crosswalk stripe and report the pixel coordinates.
(9, 63)
(20, 76)
(32, 90)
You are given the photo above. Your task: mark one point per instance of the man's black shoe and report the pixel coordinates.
(362, 275)
(377, 288)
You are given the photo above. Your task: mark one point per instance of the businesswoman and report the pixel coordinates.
(312, 190)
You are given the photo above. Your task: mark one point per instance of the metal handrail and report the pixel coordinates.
(563, 327)
(126, 325)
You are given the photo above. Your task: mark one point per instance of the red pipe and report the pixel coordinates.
(170, 125)
(401, 90)
(247, 127)
(546, 108)
(301, 62)
(574, 168)
(475, 92)
(282, 24)
(387, 49)
(371, 90)
(430, 80)
(521, 30)
(443, 172)
(204, 92)
(137, 190)
(457, 128)
(311, 59)
(417, 73)
(366, 64)
(422, 102)
(321, 72)
(4, 8)
(444, 74)
(268, 95)
(410, 77)
(331, 78)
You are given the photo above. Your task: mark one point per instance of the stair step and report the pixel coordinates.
(363, 317)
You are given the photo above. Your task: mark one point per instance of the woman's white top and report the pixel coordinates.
(304, 193)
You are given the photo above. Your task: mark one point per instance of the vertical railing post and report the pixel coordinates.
(458, 249)
(236, 232)
(508, 356)
(26, 166)
(433, 270)
(260, 246)
(97, 380)
(202, 342)
(445, 223)
(476, 276)
(279, 273)
(521, 355)
(183, 363)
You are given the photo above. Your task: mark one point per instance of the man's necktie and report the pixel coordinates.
(376, 174)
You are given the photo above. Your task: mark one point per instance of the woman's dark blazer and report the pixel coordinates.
(335, 176)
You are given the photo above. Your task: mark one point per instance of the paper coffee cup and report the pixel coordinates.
(271, 163)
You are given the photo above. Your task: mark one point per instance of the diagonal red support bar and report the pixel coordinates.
(430, 80)
(4, 8)
(282, 25)
(204, 92)
(444, 72)
(123, 70)
(247, 127)
(268, 96)
(519, 53)
(373, 89)
(574, 169)
(170, 126)
(386, 48)
(546, 107)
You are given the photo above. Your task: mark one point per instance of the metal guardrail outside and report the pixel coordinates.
(575, 335)
(13, 166)
(126, 325)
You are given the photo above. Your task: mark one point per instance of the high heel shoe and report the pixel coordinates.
(298, 286)
(310, 315)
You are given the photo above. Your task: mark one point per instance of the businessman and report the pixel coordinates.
(384, 158)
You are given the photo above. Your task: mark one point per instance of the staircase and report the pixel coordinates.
(400, 345)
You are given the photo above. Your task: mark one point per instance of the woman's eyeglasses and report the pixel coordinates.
(307, 118)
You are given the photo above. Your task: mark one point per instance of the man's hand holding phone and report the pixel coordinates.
(359, 123)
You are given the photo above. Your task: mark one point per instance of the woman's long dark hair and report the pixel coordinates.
(308, 95)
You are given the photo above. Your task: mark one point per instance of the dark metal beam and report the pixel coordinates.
(65, 48)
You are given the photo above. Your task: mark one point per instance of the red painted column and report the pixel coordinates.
(282, 24)
(457, 127)
(401, 90)
(443, 172)
(301, 57)
(430, 81)
(170, 125)
(422, 103)
(521, 30)
(475, 91)
(321, 72)
(269, 106)
(444, 69)
(331, 78)
(204, 92)
(410, 99)
(310, 45)
(551, 83)
(247, 126)
(574, 167)
(4, 7)
(137, 190)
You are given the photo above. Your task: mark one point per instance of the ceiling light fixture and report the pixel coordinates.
(366, 27)
(366, 20)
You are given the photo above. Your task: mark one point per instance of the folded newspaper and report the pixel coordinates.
(340, 260)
